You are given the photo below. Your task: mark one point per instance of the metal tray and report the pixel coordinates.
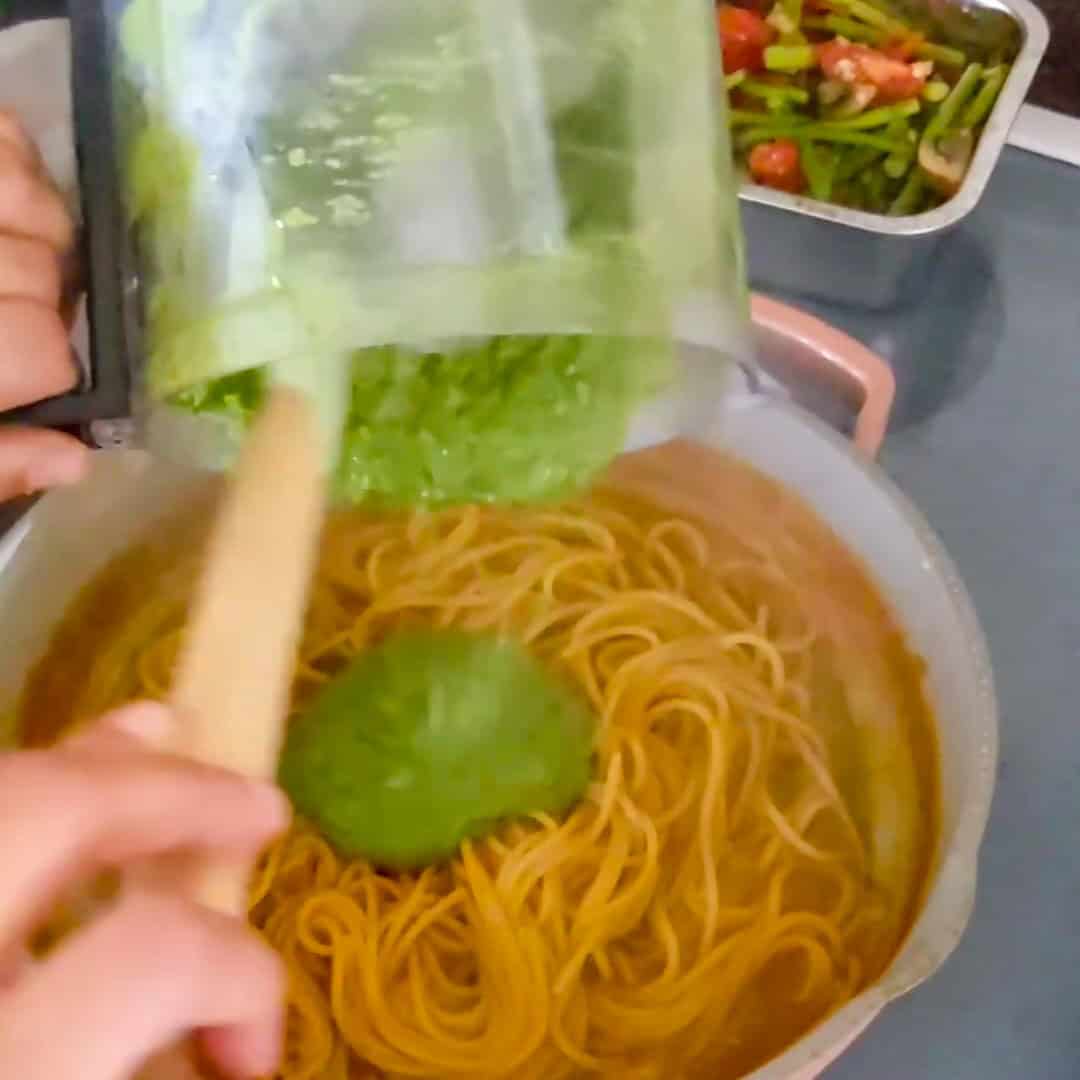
(807, 248)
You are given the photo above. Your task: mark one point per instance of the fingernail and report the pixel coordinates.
(148, 721)
(61, 468)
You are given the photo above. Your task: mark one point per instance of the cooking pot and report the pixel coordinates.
(70, 534)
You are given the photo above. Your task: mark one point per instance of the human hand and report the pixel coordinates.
(153, 967)
(37, 242)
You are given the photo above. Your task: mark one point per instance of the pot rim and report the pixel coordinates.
(949, 899)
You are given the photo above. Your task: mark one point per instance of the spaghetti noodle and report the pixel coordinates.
(719, 890)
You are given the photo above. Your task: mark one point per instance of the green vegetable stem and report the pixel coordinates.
(789, 58)
(949, 109)
(886, 8)
(848, 28)
(854, 161)
(776, 98)
(941, 54)
(793, 9)
(851, 131)
(874, 184)
(820, 133)
(979, 107)
(910, 194)
(819, 165)
(897, 164)
(935, 92)
(874, 118)
(871, 15)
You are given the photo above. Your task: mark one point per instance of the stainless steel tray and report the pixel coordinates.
(808, 248)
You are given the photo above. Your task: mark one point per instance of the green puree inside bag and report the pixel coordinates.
(502, 210)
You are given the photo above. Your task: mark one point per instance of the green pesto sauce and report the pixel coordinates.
(515, 420)
(433, 738)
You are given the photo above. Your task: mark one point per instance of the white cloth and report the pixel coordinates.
(35, 84)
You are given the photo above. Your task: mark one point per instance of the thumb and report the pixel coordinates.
(140, 978)
(32, 460)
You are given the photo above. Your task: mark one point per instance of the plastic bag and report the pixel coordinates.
(504, 210)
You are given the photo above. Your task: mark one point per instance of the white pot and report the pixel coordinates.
(930, 602)
(70, 534)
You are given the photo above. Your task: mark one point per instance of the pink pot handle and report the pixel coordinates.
(832, 353)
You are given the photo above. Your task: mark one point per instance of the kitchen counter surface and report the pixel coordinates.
(986, 439)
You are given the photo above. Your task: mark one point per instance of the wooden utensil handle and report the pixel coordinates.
(231, 691)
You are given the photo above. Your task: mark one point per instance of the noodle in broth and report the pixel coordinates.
(722, 887)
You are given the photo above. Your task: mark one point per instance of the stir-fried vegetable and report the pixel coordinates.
(776, 164)
(744, 37)
(845, 101)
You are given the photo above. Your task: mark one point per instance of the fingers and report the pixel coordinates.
(33, 460)
(105, 800)
(143, 976)
(30, 270)
(156, 966)
(12, 965)
(30, 206)
(35, 354)
(235, 1049)
(14, 135)
(36, 244)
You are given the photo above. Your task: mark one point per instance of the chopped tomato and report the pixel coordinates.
(777, 165)
(845, 62)
(744, 37)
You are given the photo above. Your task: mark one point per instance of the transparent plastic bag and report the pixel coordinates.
(504, 210)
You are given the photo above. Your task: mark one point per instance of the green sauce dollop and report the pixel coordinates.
(433, 738)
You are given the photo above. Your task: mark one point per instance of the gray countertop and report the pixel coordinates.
(986, 439)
